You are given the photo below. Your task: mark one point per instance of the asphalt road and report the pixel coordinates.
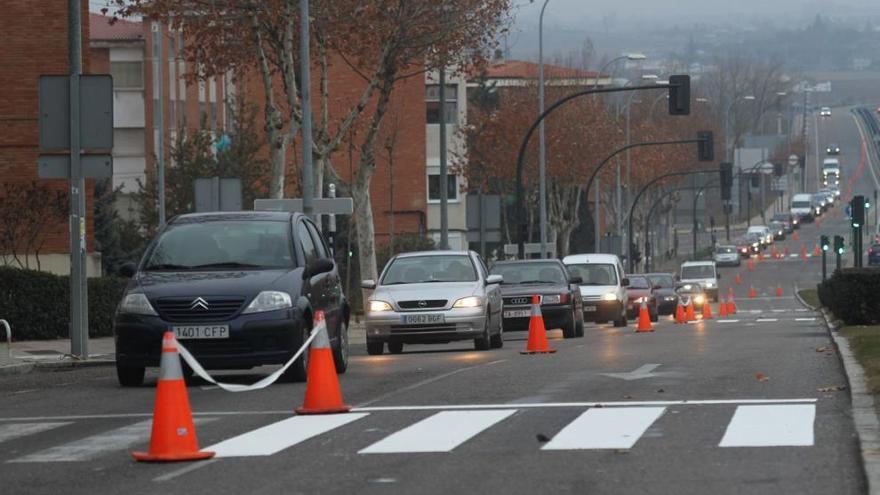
(742, 404)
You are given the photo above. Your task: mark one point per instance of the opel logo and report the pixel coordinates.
(423, 304)
(199, 303)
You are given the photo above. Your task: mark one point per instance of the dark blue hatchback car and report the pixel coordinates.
(238, 289)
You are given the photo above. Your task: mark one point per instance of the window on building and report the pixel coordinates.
(127, 75)
(213, 117)
(432, 103)
(434, 187)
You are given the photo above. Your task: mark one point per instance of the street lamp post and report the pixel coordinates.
(542, 164)
(626, 56)
(728, 146)
(620, 201)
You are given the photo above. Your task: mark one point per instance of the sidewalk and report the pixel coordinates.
(35, 354)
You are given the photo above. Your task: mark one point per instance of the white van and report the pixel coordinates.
(603, 286)
(703, 273)
(763, 231)
(801, 207)
(831, 166)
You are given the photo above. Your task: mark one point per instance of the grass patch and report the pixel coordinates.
(865, 344)
(810, 296)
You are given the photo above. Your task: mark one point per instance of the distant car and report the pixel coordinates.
(763, 231)
(802, 207)
(744, 247)
(641, 289)
(560, 296)
(818, 203)
(788, 223)
(603, 286)
(703, 273)
(778, 230)
(832, 149)
(726, 255)
(835, 189)
(433, 297)
(825, 112)
(664, 292)
(874, 254)
(691, 291)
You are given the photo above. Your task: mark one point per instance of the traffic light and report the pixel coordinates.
(838, 244)
(705, 146)
(824, 241)
(755, 181)
(778, 170)
(679, 94)
(726, 180)
(858, 211)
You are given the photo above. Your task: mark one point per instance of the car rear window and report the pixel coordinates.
(222, 245)
(530, 273)
(664, 281)
(800, 204)
(697, 271)
(430, 268)
(639, 283)
(725, 250)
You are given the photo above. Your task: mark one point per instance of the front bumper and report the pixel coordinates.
(667, 306)
(254, 340)
(458, 324)
(602, 310)
(555, 316)
(732, 261)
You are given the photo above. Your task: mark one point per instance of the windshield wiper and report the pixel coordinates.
(167, 266)
(536, 282)
(227, 264)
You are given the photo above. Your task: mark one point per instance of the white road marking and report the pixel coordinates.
(644, 371)
(756, 311)
(658, 403)
(793, 255)
(771, 426)
(184, 470)
(89, 448)
(728, 321)
(780, 310)
(801, 310)
(805, 319)
(766, 320)
(618, 428)
(441, 432)
(18, 430)
(278, 436)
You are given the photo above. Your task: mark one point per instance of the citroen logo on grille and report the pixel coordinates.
(199, 303)
(422, 304)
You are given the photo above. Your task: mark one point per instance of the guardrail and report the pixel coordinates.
(8, 340)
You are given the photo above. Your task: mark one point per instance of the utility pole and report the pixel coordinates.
(160, 117)
(79, 309)
(308, 188)
(444, 192)
(804, 142)
(542, 160)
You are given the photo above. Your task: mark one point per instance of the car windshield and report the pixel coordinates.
(530, 273)
(639, 283)
(217, 245)
(800, 204)
(780, 217)
(697, 271)
(664, 281)
(594, 274)
(725, 249)
(430, 268)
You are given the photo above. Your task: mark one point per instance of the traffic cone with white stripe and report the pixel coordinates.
(537, 343)
(707, 310)
(323, 395)
(778, 290)
(753, 293)
(722, 308)
(644, 319)
(689, 311)
(738, 280)
(731, 306)
(173, 435)
(750, 265)
(679, 313)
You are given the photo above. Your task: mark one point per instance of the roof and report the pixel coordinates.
(101, 29)
(219, 216)
(522, 69)
(591, 258)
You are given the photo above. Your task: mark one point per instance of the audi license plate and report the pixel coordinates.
(518, 313)
(202, 332)
(422, 319)
(589, 309)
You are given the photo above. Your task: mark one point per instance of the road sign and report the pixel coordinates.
(793, 159)
(780, 183)
(529, 248)
(324, 206)
(216, 194)
(95, 118)
(58, 166)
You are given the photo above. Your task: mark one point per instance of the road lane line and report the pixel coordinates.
(454, 407)
(188, 469)
(441, 432)
(805, 319)
(766, 320)
(618, 428)
(278, 436)
(18, 430)
(780, 310)
(728, 321)
(771, 426)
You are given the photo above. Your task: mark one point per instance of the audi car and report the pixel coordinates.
(238, 289)
(558, 294)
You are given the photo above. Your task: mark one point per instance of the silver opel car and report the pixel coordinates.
(433, 297)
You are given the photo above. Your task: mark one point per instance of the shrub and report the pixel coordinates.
(851, 295)
(37, 304)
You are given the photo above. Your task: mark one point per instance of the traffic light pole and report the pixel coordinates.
(825, 264)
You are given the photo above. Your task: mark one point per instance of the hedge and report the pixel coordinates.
(37, 304)
(851, 294)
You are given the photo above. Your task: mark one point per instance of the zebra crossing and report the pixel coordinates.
(757, 423)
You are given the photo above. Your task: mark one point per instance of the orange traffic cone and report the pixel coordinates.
(689, 311)
(750, 265)
(731, 306)
(774, 253)
(778, 291)
(644, 319)
(787, 251)
(173, 436)
(760, 256)
(722, 308)
(679, 313)
(803, 252)
(707, 310)
(795, 236)
(817, 251)
(537, 343)
(752, 292)
(323, 395)
(738, 279)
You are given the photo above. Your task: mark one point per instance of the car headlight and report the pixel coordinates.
(610, 296)
(754, 244)
(376, 306)
(669, 298)
(710, 284)
(137, 303)
(269, 300)
(551, 299)
(699, 299)
(468, 302)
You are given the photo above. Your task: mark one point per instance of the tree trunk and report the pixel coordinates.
(273, 121)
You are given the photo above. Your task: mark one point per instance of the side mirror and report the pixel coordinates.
(575, 280)
(128, 269)
(368, 284)
(624, 282)
(317, 267)
(494, 279)
(678, 278)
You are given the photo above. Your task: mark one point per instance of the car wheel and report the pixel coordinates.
(579, 326)
(340, 353)
(375, 347)
(299, 369)
(654, 315)
(130, 376)
(621, 322)
(497, 340)
(483, 343)
(395, 347)
(569, 331)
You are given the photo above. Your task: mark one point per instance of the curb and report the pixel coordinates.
(16, 368)
(863, 412)
(24, 367)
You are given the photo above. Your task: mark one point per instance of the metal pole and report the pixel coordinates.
(160, 120)
(79, 316)
(804, 141)
(331, 220)
(824, 265)
(542, 164)
(694, 211)
(444, 188)
(308, 188)
(596, 248)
